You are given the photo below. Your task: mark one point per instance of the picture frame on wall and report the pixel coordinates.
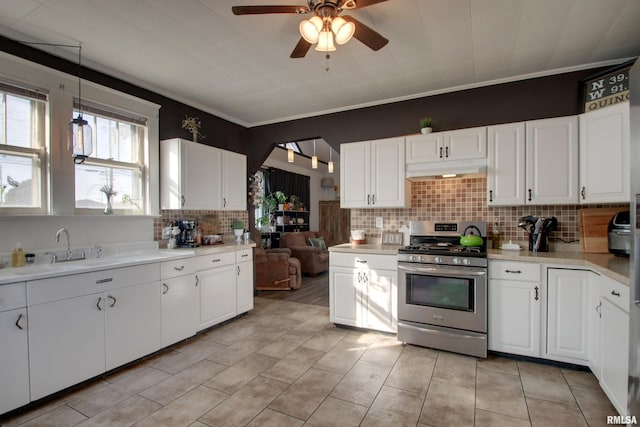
(605, 88)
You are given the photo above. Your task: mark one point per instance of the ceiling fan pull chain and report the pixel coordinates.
(327, 57)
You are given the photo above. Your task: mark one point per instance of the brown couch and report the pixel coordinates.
(313, 260)
(276, 269)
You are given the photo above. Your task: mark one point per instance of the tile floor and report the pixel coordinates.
(284, 364)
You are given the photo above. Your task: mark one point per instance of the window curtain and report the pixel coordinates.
(290, 184)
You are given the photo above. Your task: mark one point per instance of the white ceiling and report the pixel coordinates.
(238, 67)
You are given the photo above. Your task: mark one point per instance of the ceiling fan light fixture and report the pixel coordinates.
(310, 29)
(342, 29)
(325, 42)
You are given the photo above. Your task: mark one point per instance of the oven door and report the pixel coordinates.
(445, 296)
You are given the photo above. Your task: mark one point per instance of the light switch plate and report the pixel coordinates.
(379, 222)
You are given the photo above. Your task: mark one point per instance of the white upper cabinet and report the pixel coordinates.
(505, 164)
(461, 144)
(198, 176)
(552, 161)
(604, 155)
(373, 174)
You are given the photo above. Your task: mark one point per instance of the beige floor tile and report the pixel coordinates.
(448, 404)
(244, 405)
(500, 364)
(231, 332)
(59, 417)
(235, 377)
(123, 414)
(325, 339)
(545, 382)
(594, 404)
(544, 413)
(362, 336)
(383, 351)
(455, 368)
(491, 419)
(296, 363)
(341, 357)
(117, 392)
(581, 379)
(313, 324)
(337, 413)
(362, 383)
(284, 345)
(177, 385)
(186, 409)
(269, 418)
(413, 370)
(175, 361)
(501, 393)
(239, 350)
(394, 407)
(306, 394)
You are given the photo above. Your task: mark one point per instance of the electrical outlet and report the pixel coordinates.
(379, 222)
(166, 233)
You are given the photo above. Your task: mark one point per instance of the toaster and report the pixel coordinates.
(620, 234)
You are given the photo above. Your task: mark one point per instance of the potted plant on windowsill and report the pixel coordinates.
(426, 124)
(238, 229)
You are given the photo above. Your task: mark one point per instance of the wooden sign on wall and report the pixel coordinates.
(606, 89)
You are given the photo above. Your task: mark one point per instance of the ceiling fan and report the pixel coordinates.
(325, 25)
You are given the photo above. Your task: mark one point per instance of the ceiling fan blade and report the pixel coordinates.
(301, 49)
(366, 35)
(358, 4)
(258, 10)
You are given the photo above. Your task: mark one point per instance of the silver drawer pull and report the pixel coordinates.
(361, 261)
(615, 294)
(107, 280)
(513, 271)
(179, 268)
(244, 255)
(18, 321)
(216, 260)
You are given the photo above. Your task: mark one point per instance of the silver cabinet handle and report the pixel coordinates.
(165, 288)
(112, 298)
(179, 268)
(18, 321)
(107, 280)
(98, 303)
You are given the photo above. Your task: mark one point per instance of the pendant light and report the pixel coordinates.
(314, 159)
(330, 164)
(80, 135)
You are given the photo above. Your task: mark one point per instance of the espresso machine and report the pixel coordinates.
(187, 236)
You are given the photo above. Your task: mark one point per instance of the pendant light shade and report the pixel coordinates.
(310, 29)
(325, 42)
(330, 164)
(290, 155)
(314, 158)
(342, 29)
(80, 133)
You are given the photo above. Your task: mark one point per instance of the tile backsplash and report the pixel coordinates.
(465, 199)
(225, 218)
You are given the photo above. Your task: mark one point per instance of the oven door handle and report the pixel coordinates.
(443, 271)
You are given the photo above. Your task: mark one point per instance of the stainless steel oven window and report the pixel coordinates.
(454, 293)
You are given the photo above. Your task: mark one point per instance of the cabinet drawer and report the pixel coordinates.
(513, 270)
(177, 267)
(357, 260)
(244, 255)
(13, 295)
(615, 292)
(207, 262)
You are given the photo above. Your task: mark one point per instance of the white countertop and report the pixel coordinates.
(366, 248)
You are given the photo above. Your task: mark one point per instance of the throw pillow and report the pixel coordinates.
(317, 242)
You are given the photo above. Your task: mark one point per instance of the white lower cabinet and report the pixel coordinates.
(363, 291)
(179, 312)
(568, 315)
(515, 301)
(14, 347)
(244, 281)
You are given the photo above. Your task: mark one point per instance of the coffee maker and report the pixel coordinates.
(187, 236)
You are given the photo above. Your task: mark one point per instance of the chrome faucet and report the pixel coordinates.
(69, 251)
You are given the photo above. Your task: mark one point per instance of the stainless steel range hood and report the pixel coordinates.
(444, 168)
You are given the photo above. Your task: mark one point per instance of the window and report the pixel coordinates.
(22, 148)
(117, 164)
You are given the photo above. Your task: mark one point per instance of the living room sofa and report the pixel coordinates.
(313, 260)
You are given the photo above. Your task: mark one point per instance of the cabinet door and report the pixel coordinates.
(465, 144)
(132, 323)
(594, 318)
(234, 181)
(514, 317)
(388, 177)
(604, 155)
(355, 173)
(505, 165)
(66, 343)
(179, 309)
(424, 148)
(614, 339)
(552, 161)
(244, 290)
(202, 187)
(217, 295)
(567, 315)
(344, 294)
(14, 354)
(380, 300)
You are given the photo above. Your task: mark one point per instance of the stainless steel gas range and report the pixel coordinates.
(442, 287)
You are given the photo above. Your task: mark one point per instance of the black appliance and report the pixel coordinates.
(619, 235)
(187, 236)
(538, 230)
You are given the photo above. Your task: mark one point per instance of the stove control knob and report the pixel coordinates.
(412, 258)
(420, 258)
(437, 259)
(466, 261)
(457, 260)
